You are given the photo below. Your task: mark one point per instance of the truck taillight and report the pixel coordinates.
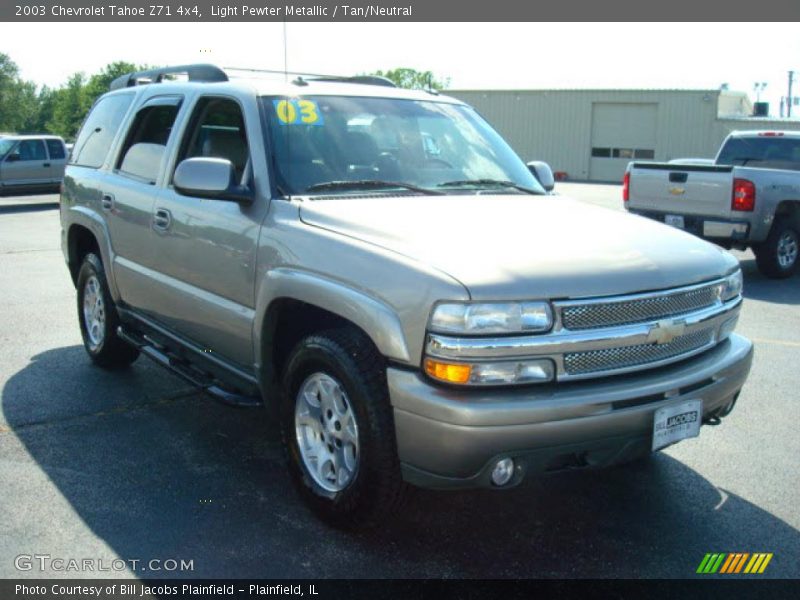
(626, 186)
(744, 195)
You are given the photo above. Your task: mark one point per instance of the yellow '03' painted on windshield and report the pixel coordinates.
(297, 112)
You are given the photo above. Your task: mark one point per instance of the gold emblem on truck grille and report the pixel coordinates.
(665, 331)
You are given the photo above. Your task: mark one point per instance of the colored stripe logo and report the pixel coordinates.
(734, 562)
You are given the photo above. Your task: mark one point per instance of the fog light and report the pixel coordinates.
(503, 471)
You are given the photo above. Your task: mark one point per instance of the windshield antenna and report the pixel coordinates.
(285, 54)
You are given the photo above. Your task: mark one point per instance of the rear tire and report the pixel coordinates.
(338, 429)
(777, 256)
(98, 318)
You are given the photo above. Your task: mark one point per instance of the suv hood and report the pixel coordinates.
(524, 247)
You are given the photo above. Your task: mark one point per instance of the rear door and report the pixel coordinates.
(129, 194)
(682, 189)
(26, 164)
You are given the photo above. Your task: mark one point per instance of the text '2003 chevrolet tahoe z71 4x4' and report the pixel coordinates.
(379, 266)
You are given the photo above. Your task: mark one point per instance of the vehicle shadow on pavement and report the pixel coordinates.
(759, 287)
(157, 471)
(8, 209)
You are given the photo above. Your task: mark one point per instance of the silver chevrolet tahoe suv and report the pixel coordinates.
(379, 268)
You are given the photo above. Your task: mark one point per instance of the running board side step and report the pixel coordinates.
(182, 369)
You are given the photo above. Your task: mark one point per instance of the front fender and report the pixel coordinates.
(377, 319)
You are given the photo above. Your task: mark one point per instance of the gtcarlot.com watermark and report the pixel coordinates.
(60, 564)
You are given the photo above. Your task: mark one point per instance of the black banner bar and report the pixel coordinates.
(228, 589)
(395, 10)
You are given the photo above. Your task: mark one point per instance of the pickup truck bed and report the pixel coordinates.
(750, 197)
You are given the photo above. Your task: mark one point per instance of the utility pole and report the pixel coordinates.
(789, 95)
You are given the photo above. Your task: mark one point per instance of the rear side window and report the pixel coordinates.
(99, 130)
(56, 149)
(770, 152)
(147, 138)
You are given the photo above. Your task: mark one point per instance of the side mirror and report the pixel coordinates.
(213, 178)
(13, 157)
(543, 173)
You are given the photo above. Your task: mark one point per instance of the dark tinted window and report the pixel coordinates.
(147, 138)
(217, 130)
(31, 150)
(601, 152)
(768, 151)
(642, 153)
(99, 130)
(56, 149)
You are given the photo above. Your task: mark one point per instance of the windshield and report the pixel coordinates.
(5, 146)
(764, 151)
(338, 144)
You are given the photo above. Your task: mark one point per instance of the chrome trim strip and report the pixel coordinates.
(556, 344)
(641, 296)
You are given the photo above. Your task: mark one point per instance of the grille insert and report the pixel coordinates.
(610, 359)
(638, 310)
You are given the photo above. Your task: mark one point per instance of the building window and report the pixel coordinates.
(626, 153)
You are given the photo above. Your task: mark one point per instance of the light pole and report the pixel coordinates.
(758, 88)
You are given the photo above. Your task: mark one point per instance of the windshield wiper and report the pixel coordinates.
(369, 184)
(490, 182)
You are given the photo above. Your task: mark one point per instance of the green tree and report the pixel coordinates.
(69, 107)
(99, 83)
(14, 96)
(414, 80)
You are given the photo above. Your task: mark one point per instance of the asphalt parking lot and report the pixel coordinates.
(138, 466)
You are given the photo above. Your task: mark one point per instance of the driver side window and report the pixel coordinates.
(216, 130)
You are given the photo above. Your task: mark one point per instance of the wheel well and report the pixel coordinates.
(80, 241)
(286, 323)
(789, 209)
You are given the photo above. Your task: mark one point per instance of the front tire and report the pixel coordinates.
(338, 429)
(98, 318)
(777, 256)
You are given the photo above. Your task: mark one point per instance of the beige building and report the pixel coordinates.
(593, 134)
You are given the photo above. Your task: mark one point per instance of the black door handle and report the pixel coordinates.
(107, 201)
(46, 164)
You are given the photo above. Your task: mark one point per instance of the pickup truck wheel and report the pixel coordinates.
(777, 256)
(338, 429)
(98, 318)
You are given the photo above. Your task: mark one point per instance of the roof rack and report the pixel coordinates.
(303, 77)
(211, 74)
(201, 72)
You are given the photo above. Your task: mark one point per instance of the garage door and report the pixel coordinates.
(621, 132)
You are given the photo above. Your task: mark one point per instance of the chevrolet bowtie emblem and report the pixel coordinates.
(664, 332)
(677, 191)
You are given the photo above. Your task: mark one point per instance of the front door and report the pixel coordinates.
(206, 247)
(27, 164)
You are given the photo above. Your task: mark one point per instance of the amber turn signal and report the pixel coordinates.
(447, 372)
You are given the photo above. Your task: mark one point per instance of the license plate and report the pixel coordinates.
(677, 422)
(674, 221)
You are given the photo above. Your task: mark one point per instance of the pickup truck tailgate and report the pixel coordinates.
(681, 189)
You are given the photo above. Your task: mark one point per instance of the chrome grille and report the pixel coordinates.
(597, 361)
(651, 307)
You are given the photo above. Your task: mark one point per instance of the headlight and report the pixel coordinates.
(495, 318)
(731, 286)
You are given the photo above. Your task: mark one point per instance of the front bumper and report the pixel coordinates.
(451, 438)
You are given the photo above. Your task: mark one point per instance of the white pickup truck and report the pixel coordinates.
(749, 196)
